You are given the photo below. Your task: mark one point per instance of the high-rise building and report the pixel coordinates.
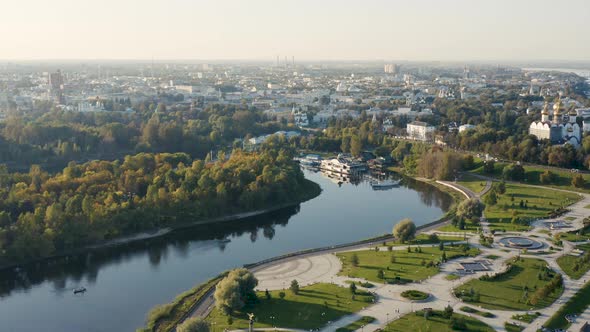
(390, 68)
(56, 87)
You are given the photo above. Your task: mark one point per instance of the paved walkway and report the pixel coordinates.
(324, 267)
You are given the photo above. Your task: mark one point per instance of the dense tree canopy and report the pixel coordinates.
(41, 214)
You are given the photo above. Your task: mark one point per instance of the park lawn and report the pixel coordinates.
(469, 227)
(577, 235)
(306, 310)
(477, 312)
(568, 262)
(512, 327)
(576, 305)
(424, 239)
(434, 323)
(471, 182)
(540, 204)
(407, 267)
(506, 292)
(532, 175)
(356, 325)
(526, 317)
(452, 277)
(587, 206)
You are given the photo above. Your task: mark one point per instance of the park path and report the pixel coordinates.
(390, 305)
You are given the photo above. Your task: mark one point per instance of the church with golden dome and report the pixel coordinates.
(561, 128)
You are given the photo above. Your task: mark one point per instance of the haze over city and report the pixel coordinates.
(455, 30)
(295, 165)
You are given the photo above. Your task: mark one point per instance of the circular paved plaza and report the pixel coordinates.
(306, 270)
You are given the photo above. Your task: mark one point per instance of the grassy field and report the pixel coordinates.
(513, 328)
(539, 204)
(312, 308)
(425, 239)
(469, 227)
(477, 312)
(415, 295)
(356, 325)
(165, 317)
(563, 176)
(407, 267)
(434, 323)
(576, 305)
(506, 292)
(568, 263)
(471, 182)
(527, 318)
(575, 236)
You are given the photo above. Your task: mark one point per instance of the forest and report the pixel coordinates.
(42, 214)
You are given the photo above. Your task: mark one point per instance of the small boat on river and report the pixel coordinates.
(386, 184)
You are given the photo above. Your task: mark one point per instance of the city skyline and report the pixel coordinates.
(375, 30)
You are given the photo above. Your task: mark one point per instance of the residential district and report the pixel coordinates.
(95, 153)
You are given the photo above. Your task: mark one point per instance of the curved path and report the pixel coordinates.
(323, 266)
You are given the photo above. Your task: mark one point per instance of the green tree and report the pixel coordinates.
(294, 287)
(470, 209)
(232, 291)
(354, 259)
(356, 146)
(194, 324)
(404, 230)
(578, 181)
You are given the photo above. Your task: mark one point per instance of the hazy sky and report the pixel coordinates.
(307, 29)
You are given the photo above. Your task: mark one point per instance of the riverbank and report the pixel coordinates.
(203, 305)
(314, 191)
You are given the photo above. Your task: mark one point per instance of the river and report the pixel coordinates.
(123, 283)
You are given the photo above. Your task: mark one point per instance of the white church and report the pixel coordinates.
(561, 129)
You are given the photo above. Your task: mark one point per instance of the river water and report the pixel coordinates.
(123, 283)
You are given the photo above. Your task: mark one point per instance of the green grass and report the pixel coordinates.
(527, 318)
(506, 292)
(512, 327)
(469, 227)
(165, 317)
(540, 203)
(362, 284)
(577, 235)
(414, 295)
(426, 239)
(570, 218)
(492, 257)
(435, 323)
(563, 177)
(587, 206)
(471, 182)
(573, 266)
(477, 312)
(452, 277)
(307, 310)
(406, 268)
(576, 305)
(356, 325)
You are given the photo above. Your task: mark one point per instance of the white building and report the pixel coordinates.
(562, 128)
(420, 131)
(300, 118)
(464, 127)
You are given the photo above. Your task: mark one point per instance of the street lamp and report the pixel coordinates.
(387, 322)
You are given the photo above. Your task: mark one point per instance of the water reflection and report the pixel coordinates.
(125, 282)
(65, 272)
